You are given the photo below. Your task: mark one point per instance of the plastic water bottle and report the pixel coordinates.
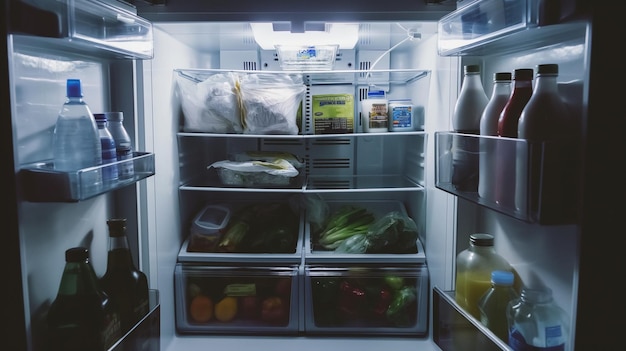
(109, 152)
(76, 142)
(123, 144)
(494, 303)
(536, 323)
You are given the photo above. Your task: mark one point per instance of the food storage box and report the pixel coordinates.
(389, 244)
(317, 57)
(252, 232)
(236, 299)
(366, 300)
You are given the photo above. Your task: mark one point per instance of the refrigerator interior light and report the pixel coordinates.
(268, 35)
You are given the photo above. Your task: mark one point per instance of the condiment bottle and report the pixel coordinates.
(466, 119)
(473, 271)
(493, 304)
(543, 119)
(535, 322)
(507, 127)
(489, 127)
(82, 316)
(125, 284)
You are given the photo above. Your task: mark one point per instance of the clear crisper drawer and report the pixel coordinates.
(531, 181)
(253, 232)
(237, 300)
(366, 300)
(42, 183)
(395, 240)
(483, 21)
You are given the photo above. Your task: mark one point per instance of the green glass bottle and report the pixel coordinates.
(82, 316)
(125, 284)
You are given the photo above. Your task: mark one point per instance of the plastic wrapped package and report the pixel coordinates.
(270, 103)
(255, 173)
(210, 106)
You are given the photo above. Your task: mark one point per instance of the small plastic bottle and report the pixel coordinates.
(473, 271)
(76, 142)
(123, 143)
(109, 151)
(493, 305)
(375, 112)
(466, 119)
(535, 322)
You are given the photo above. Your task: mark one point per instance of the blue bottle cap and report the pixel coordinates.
(376, 94)
(73, 88)
(100, 117)
(502, 277)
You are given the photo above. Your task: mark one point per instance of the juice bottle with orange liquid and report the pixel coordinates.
(473, 271)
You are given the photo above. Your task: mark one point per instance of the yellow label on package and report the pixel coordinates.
(333, 113)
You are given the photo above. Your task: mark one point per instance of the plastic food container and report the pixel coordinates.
(237, 300)
(360, 300)
(319, 57)
(207, 227)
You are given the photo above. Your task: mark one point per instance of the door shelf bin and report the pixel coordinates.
(456, 330)
(544, 193)
(359, 300)
(41, 183)
(315, 253)
(145, 336)
(244, 299)
(483, 21)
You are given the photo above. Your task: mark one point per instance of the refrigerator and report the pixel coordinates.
(151, 59)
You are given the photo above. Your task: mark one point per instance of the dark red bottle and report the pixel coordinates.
(507, 127)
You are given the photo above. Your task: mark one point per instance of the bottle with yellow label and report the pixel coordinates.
(473, 271)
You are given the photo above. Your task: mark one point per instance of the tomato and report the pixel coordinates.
(275, 310)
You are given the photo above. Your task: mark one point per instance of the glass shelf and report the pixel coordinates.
(545, 192)
(41, 183)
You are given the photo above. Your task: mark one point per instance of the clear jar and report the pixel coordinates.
(473, 271)
(536, 322)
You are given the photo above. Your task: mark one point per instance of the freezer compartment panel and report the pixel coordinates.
(384, 215)
(544, 192)
(42, 183)
(236, 299)
(366, 300)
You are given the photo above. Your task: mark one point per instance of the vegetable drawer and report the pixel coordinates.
(390, 237)
(366, 300)
(237, 300)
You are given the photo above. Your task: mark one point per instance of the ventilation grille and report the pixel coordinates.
(249, 65)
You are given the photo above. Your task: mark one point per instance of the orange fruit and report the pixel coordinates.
(201, 308)
(226, 309)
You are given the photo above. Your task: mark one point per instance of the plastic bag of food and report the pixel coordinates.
(210, 106)
(269, 103)
(268, 156)
(254, 173)
(393, 233)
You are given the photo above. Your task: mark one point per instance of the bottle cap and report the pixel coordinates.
(536, 295)
(481, 239)
(115, 116)
(550, 68)
(73, 88)
(502, 278)
(76, 254)
(472, 69)
(502, 76)
(101, 117)
(117, 227)
(524, 74)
